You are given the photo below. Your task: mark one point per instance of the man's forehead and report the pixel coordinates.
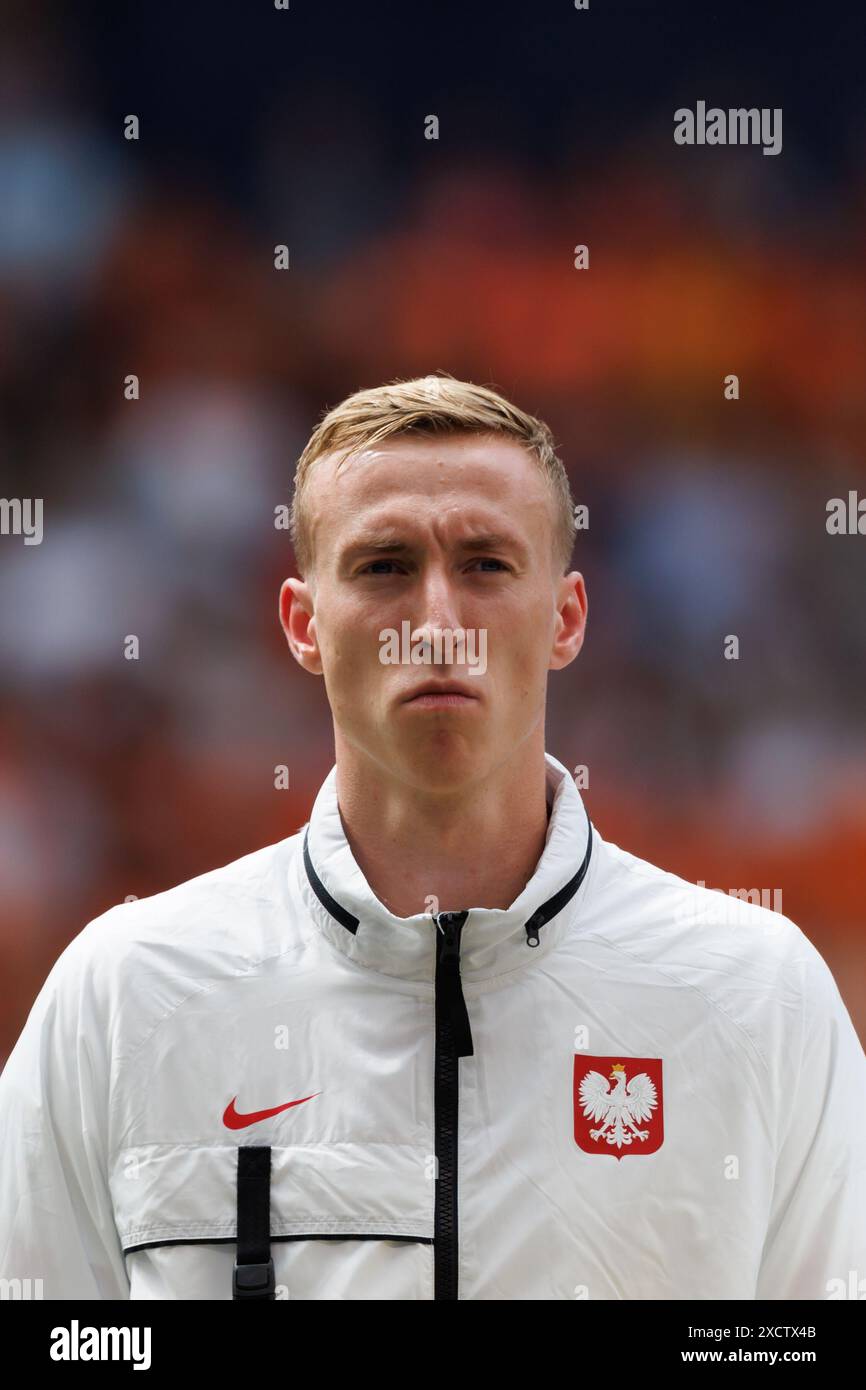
(413, 470)
(440, 459)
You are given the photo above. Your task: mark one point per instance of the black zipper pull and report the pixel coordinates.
(448, 985)
(533, 927)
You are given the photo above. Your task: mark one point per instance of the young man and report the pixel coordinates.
(445, 1042)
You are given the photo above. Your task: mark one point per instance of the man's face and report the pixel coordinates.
(417, 535)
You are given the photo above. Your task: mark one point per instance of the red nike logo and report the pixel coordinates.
(232, 1120)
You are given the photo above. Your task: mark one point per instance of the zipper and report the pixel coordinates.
(453, 1041)
(543, 914)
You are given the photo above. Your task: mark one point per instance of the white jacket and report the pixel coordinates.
(645, 1090)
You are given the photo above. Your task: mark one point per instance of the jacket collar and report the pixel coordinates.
(494, 940)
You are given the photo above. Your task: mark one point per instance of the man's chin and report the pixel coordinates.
(439, 758)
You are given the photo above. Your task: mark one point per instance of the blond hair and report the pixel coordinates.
(427, 405)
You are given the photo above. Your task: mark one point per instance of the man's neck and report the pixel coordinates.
(423, 852)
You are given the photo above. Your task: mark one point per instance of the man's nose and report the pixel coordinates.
(438, 608)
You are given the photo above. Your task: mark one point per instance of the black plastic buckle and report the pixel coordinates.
(254, 1281)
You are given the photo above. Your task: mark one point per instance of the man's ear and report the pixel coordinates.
(571, 610)
(297, 619)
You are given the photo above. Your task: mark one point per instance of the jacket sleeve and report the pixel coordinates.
(56, 1214)
(815, 1246)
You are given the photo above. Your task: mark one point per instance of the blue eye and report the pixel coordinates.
(368, 568)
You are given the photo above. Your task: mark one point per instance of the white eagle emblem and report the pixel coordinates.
(621, 1109)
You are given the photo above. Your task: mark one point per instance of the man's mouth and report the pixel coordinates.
(440, 695)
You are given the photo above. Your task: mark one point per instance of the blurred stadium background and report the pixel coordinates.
(707, 517)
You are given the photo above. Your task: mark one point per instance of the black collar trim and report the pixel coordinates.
(543, 914)
(539, 918)
(330, 904)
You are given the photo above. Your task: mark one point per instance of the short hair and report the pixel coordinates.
(429, 405)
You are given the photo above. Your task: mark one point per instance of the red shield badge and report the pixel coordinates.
(618, 1105)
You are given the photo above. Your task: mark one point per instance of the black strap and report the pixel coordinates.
(254, 1266)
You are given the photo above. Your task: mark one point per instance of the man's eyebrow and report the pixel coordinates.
(391, 542)
(491, 540)
(376, 541)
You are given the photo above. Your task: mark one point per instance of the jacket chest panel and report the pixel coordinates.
(625, 1170)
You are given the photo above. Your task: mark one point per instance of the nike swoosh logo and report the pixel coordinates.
(232, 1120)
